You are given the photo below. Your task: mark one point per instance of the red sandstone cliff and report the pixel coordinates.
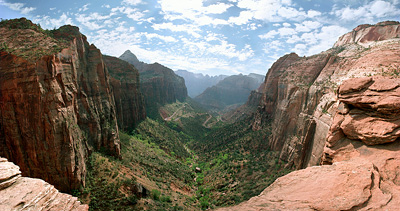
(364, 149)
(23, 193)
(298, 96)
(129, 101)
(54, 108)
(159, 84)
(367, 34)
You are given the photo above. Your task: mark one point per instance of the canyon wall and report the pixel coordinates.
(159, 84)
(129, 101)
(56, 109)
(299, 98)
(362, 148)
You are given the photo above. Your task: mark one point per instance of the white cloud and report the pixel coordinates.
(94, 21)
(20, 7)
(188, 28)
(313, 13)
(269, 35)
(307, 26)
(49, 23)
(84, 8)
(150, 36)
(193, 10)
(322, 40)
(271, 10)
(132, 13)
(132, 2)
(243, 18)
(286, 24)
(229, 50)
(368, 12)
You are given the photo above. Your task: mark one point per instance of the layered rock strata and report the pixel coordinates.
(54, 111)
(158, 84)
(299, 99)
(363, 148)
(129, 101)
(23, 193)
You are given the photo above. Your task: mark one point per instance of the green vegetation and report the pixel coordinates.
(31, 41)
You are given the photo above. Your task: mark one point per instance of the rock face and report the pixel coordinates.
(196, 83)
(129, 101)
(159, 84)
(23, 193)
(363, 149)
(366, 34)
(298, 98)
(232, 90)
(54, 111)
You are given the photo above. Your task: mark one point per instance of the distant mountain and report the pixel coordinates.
(158, 84)
(196, 83)
(233, 90)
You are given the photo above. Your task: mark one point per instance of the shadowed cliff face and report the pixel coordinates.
(159, 84)
(54, 111)
(129, 101)
(298, 96)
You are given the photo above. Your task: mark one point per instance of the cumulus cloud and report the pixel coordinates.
(84, 8)
(20, 7)
(94, 21)
(368, 12)
(193, 10)
(319, 40)
(50, 23)
(132, 2)
(132, 13)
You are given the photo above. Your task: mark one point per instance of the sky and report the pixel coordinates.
(207, 36)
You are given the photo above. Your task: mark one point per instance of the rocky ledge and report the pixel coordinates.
(24, 193)
(363, 149)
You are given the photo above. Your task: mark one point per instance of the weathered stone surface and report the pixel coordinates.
(23, 193)
(54, 111)
(129, 101)
(361, 176)
(299, 97)
(365, 34)
(341, 186)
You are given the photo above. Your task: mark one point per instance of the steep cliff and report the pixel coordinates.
(298, 96)
(363, 148)
(56, 103)
(23, 193)
(129, 101)
(158, 84)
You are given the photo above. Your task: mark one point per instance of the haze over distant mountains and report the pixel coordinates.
(233, 90)
(196, 83)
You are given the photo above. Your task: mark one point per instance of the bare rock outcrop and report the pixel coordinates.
(366, 34)
(57, 108)
(299, 100)
(23, 193)
(363, 149)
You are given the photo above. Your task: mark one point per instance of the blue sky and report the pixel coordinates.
(207, 36)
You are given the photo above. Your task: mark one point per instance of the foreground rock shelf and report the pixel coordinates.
(24, 193)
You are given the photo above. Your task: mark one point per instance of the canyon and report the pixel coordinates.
(334, 117)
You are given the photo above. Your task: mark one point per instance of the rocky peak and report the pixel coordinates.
(128, 56)
(366, 34)
(24, 193)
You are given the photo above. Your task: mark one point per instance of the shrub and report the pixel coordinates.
(155, 194)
